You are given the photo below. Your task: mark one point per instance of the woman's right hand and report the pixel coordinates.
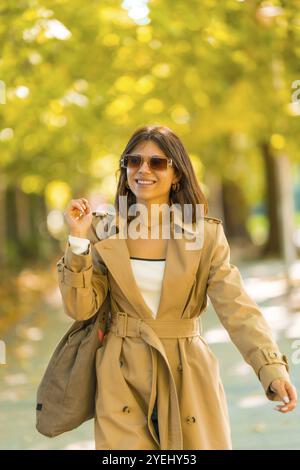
(78, 215)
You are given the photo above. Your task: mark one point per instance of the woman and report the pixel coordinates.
(159, 384)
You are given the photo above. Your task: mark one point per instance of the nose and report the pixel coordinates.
(145, 167)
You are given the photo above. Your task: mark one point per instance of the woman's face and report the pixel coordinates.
(158, 192)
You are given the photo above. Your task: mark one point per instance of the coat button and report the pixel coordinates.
(60, 268)
(126, 409)
(179, 368)
(190, 419)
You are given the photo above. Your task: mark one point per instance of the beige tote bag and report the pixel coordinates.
(66, 394)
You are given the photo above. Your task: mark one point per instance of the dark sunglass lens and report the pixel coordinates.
(158, 163)
(134, 161)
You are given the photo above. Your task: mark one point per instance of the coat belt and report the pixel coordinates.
(151, 331)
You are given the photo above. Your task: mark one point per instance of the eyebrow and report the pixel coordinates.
(154, 155)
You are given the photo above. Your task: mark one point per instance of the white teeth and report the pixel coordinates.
(145, 182)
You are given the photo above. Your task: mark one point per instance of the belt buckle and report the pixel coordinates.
(124, 324)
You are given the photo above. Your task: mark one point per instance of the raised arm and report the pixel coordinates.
(82, 278)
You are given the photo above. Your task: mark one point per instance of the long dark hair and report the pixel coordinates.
(189, 188)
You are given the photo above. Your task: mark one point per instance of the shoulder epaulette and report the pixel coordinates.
(213, 220)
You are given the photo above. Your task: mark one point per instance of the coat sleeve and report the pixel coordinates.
(82, 280)
(241, 317)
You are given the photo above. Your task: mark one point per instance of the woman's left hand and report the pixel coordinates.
(286, 392)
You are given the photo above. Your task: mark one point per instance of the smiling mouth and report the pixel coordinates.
(142, 182)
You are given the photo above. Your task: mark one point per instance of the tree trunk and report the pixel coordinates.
(215, 195)
(236, 211)
(2, 221)
(272, 246)
(286, 212)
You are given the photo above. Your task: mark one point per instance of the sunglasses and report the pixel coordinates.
(155, 162)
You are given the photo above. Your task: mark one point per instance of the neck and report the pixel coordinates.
(157, 218)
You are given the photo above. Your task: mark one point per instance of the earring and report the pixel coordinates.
(176, 187)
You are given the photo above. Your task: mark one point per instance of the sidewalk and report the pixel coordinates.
(255, 425)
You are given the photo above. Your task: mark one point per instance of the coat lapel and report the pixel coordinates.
(179, 275)
(115, 254)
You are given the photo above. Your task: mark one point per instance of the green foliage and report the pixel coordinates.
(218, 73)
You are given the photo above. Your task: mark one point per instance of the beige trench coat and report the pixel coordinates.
(167, 358)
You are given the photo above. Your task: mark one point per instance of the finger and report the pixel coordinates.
(87, 204)
(83, 202)
(284, 409)
(78, 205)
(282, 393)
(76, 213)
(291, 395)
(291, 390)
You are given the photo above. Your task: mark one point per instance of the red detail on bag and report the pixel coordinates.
(100, 335)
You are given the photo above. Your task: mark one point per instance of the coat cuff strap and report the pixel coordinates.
(82, 279)
(77, 262)
(262, 357)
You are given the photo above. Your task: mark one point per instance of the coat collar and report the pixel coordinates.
(179, 275)
(176, 219)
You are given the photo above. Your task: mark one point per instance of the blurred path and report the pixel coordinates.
(255, 425)
(30, 345)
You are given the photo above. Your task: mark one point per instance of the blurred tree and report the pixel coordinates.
(81, 76)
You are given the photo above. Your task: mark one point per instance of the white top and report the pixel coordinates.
(148, 273)
(149, 277)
